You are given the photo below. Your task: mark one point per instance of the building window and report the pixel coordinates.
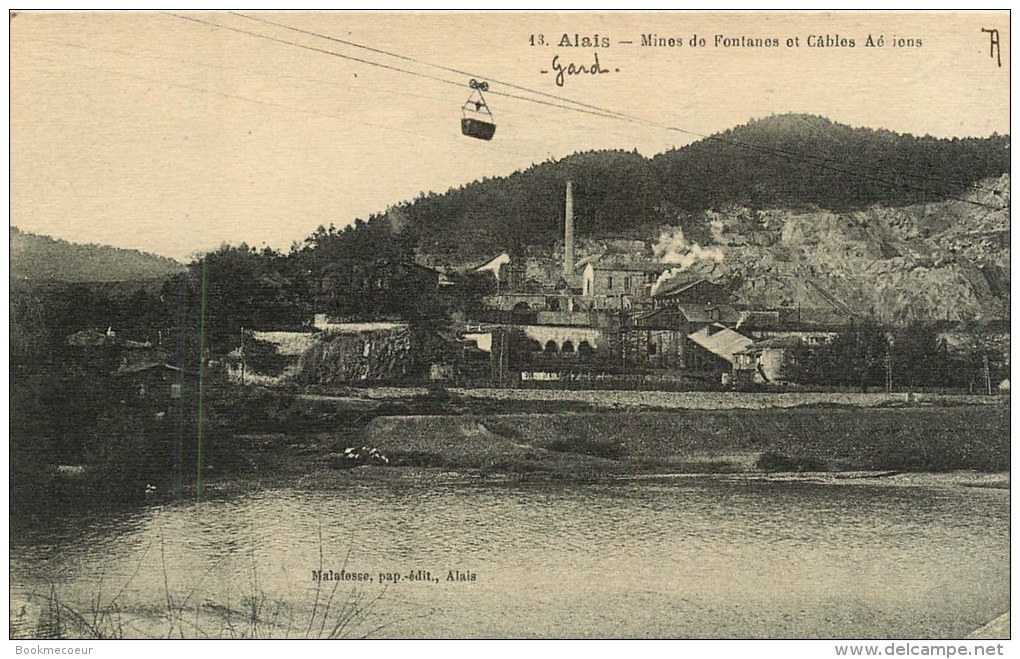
(568, 346)
(610, 285)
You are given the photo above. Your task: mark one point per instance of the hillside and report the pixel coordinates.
(40, 259)
(798, 161)
(944, 260)
(795, 162)
(930, 242)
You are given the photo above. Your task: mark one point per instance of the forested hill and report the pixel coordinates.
(786, 161)
(41, 259)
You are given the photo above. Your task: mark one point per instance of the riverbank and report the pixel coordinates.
(471, 476)
(695, 441)
(264, 438)
(616, 399)
(579, 444)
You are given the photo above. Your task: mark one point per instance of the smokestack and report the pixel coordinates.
(568, 237)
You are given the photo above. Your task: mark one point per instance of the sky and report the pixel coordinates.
(161, 133)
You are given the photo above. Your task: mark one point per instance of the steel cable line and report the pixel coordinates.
(279, 75)
(397, 69)
(238, 97)
(223, 67)
(392, 68)
(235, 97)
(818, 161)
(247, 99)
(443, 68)
(383, 66)
(603, 111)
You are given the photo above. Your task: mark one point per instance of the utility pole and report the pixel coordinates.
(504, 359)
(988, 375)
(242, 357)
(623, 339)
(888, 369)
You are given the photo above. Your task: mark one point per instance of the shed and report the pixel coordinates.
(765, 362)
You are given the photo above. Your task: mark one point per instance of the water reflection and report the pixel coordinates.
(694, 557)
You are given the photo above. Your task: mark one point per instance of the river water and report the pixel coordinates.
(701, 557)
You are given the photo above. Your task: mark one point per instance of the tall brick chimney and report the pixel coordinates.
(568, 237)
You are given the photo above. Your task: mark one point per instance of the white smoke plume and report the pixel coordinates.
(663, 278)
(674, 249)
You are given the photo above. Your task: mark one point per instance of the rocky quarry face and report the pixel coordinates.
(932, 261)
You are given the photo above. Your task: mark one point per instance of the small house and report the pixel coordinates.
(766, 362)
(717, 347)
(619, 276)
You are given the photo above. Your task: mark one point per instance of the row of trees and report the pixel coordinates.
(866, 355)
(363, 272)
(757, 165)
(760, 165)
(73, 402)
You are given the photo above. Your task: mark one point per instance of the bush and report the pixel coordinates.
(263, 357)
(771, 461)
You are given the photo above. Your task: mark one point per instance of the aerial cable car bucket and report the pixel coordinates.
(476, 119)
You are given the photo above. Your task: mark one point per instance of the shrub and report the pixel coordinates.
(771, 461)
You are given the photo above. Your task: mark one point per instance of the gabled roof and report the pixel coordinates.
(692, 313)
(591, 258)
(494, 261)
(649, 315)
(721, 341)
(680, 284)
(494, 264)
(623, 263)
(709, 313)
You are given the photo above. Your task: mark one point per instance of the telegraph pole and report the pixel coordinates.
(242, 356)
(888, 369)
